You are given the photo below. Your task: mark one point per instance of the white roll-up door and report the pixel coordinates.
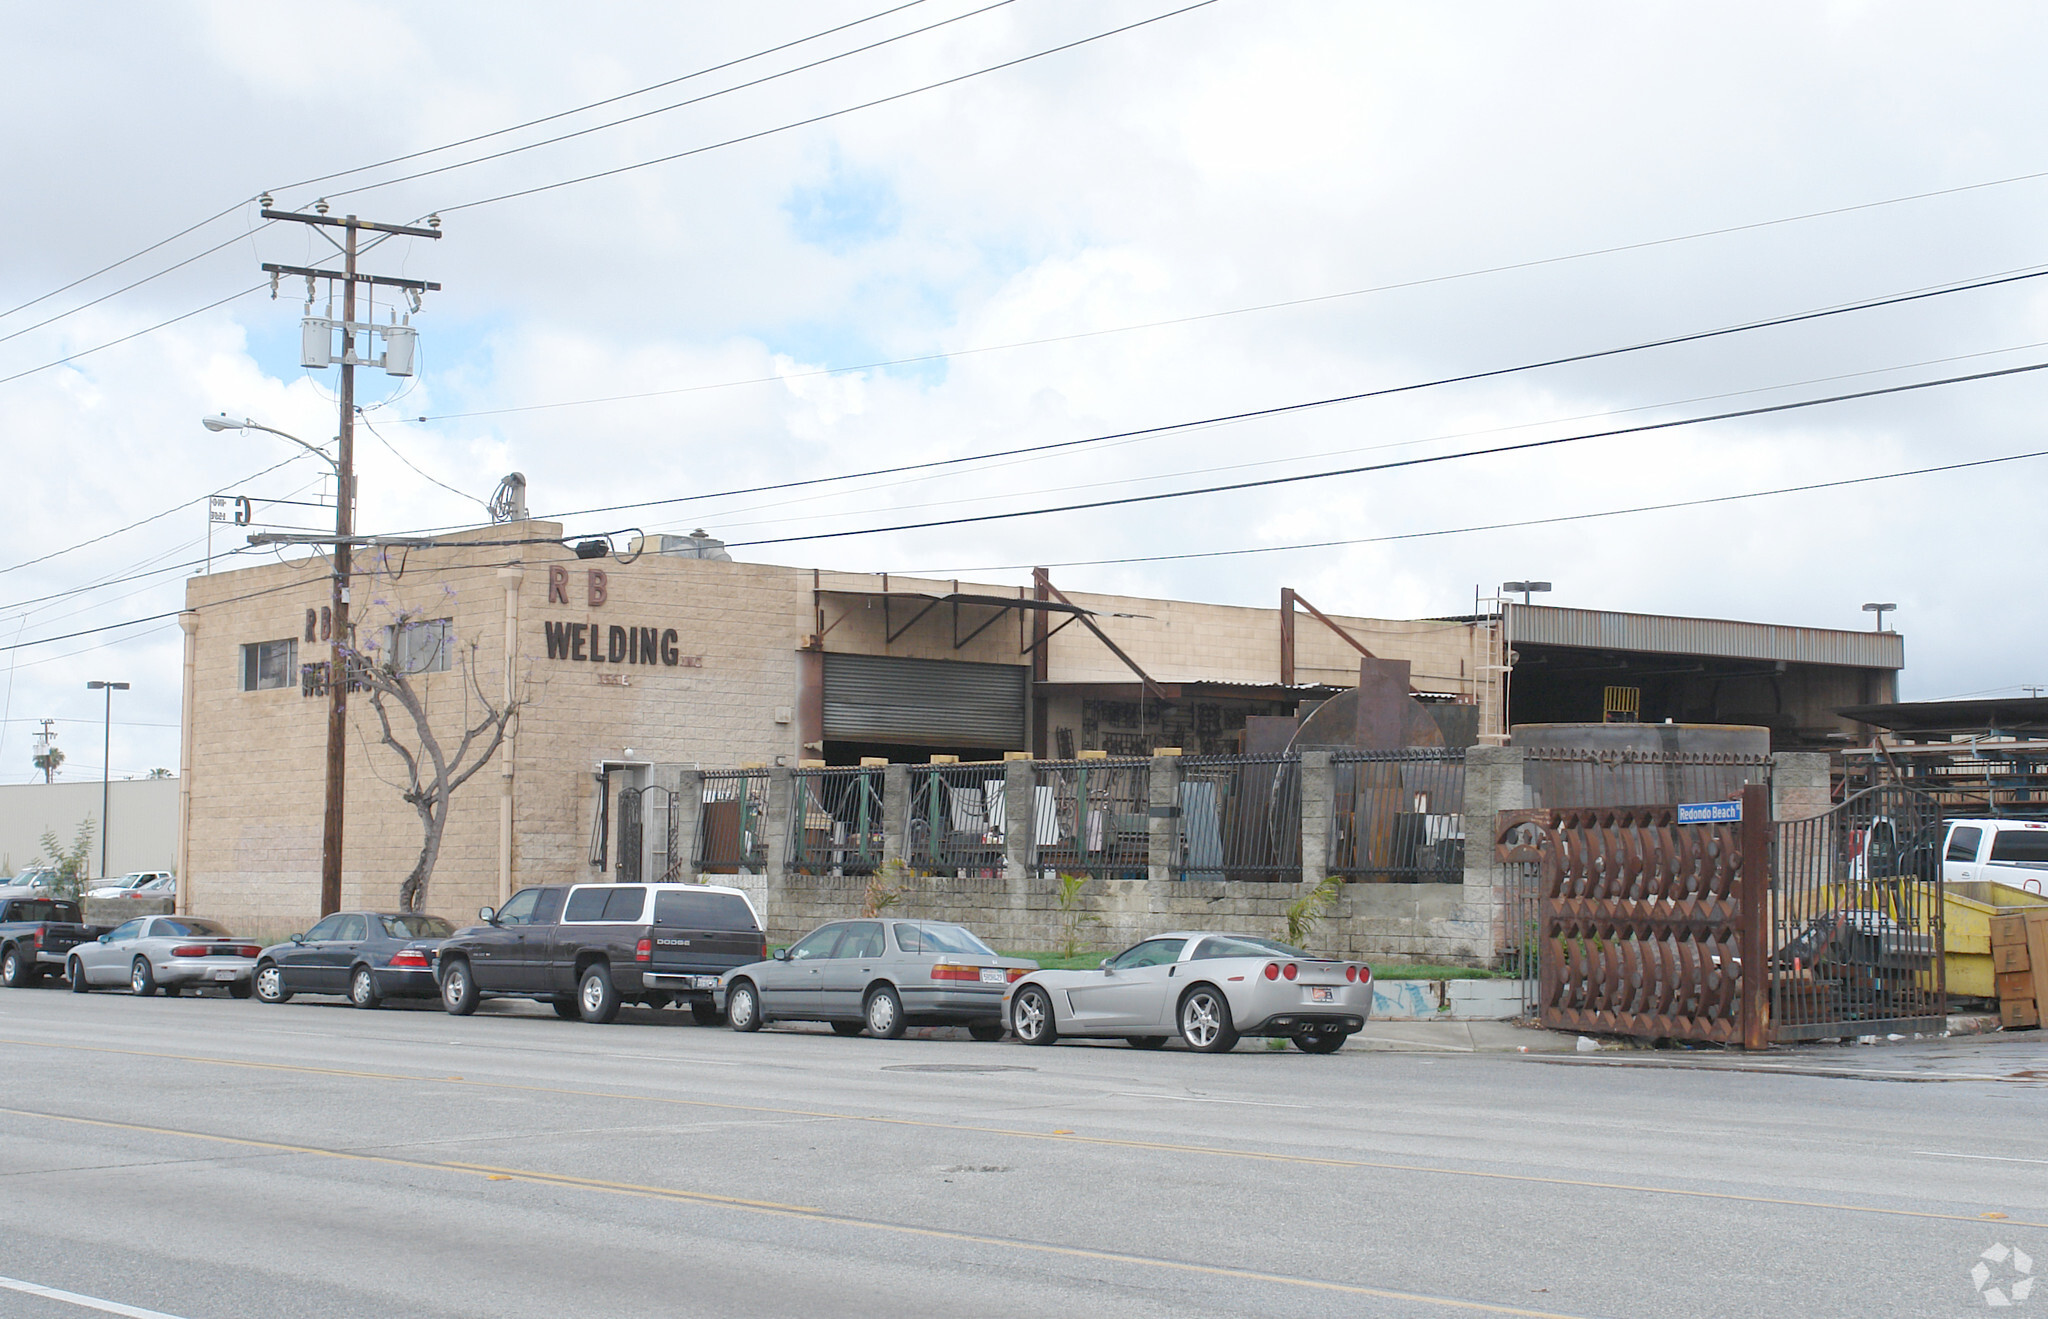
(881, 698)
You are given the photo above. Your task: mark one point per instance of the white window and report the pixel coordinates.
(421, 645)
(267, 665)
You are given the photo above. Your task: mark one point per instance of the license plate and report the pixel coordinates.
(1322, 994)
(225, 975)
(993, 975)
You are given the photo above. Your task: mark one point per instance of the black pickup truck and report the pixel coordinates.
(588, 948)
(35, 936)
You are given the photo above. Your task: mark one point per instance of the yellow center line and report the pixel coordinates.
(813, 1215)
(1057, 1137)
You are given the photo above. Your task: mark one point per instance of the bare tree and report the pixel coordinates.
(433, 773)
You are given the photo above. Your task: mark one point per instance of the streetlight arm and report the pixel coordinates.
(223, 424)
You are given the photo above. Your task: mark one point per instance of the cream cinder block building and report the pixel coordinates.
(667, 658)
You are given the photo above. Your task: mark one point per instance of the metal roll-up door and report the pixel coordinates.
(880, 698)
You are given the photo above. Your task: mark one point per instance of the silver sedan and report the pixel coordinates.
(170, 953)
(880, 976)
(1208, 988)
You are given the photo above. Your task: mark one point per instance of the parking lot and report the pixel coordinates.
(205, 1158)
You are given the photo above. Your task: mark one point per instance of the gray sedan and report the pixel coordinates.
(169, 953)
(879, 975)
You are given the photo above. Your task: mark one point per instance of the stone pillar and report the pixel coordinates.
(1020, 821)
(781, 810)
(1493, 783)
(895, 812)
(1162, 825)
(1318, 811)
(1800, 784)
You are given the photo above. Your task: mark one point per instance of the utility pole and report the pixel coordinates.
(399, 343)
(44, 741)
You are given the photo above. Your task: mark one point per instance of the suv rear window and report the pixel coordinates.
(2020, 845)
(697, 910)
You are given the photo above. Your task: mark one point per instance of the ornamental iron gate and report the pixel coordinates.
(632, 835)
(1857, 919)
(1646, 926)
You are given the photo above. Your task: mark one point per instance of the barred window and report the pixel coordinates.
(269, 664)
(421, 645)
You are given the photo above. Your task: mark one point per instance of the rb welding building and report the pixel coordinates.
(678, 656)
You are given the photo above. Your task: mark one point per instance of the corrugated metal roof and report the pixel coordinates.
(1596, 629)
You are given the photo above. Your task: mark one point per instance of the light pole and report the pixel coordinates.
(1526, 588)
(1880, 610)
(106, 760)
(337, 664)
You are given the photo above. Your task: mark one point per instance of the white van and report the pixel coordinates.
(2011, 852)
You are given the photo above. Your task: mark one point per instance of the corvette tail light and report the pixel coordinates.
(1272, 970)
(1350, 974)
(644, 950)
(1364, 975)
(1290, 971)
(415, 958)
(947, 971)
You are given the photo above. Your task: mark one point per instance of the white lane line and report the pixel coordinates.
(1198, 1099)
(1989, 1158)
(87, 1302)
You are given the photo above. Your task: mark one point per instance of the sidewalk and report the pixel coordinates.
(1514, 1036)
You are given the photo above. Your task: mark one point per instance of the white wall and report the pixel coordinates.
(145, 814)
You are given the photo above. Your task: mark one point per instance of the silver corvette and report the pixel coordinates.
(1208, 988)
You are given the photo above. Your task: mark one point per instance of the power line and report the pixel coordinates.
(142, 522)
(154, 618)
(1494, 526)
(830, 114)
(594, 105)
(664, 109)
(111, 343)
(364, 418)
(1398, 463)
(65, 288)
(1334, 400)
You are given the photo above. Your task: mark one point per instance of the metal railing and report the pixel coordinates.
(1240, 818)
(1092, 817)
(731, 832)
(1560, 776)
(956, 819)
(1398, 816)
(835, 824)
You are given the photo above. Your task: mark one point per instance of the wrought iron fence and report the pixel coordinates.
(731, 831)
(632, 836)
(956, 819)
(835, 826)
(1240, 818)
(1574, 776)
(1398, 816)
(1857, 920)
(1092, 817)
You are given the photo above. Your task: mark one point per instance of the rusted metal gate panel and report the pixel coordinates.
(1646, 926)
(1857, 919)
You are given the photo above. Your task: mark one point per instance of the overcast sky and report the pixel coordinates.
(1438, 190)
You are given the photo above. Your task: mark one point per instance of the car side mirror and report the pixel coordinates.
(781, 954)
(1104, 964)
(298, 938)
(488, 915)
(107, 937)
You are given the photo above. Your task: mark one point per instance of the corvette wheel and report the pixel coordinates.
(1205, 1021)
(1031, 1016)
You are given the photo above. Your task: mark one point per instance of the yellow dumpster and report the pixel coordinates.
(1968, 907)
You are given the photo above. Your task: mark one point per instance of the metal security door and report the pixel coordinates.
(1646, 926)
(882, 698)
(632, 835)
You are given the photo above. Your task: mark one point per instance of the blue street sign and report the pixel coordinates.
(1711, 812)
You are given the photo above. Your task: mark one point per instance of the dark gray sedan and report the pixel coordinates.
(368, 956)
(881, 976)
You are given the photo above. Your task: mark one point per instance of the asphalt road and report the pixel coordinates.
(209, 1159)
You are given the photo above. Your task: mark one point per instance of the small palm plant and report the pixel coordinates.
(1074, 917)
(1307, 911)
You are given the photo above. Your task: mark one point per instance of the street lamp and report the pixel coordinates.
(337, 664)
(1526, 588)
(1880, 610)
(106, 760)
